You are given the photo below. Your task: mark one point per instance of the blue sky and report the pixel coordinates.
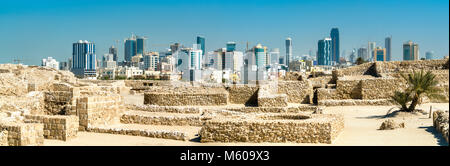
(32, 30)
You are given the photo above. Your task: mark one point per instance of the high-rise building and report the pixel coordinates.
(201, 43)
(288, 51)
(335, 44)
(140, 45)
(410, 51)
(387, 45)
(84, 59)
(324, 52)
(234, 60)
(379, 54)
(151, 61)
(130, 48)
(429, 55)
(352, 57)
(260, 56)
(50, 62)
(175, 47)
(108, 61)
(363, 54)
(370, 48)
(113, 51)
(274, 56)
(231, 46)
(195, 59)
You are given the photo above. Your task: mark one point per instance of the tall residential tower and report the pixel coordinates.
(335, 44)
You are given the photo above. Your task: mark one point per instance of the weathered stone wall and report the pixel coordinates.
(191, 96)
(381, 88)
(168, 109)
(3, 138)
(327, 94)
(132, 118)
(99, 110)
(409, 66)
(356, 102)
(440, 122)
(316, 128)
(268, 97)
(297, 91)
(56, 127)
(243, 94)
(320, 81)
(140, 132)
(24, 134)
(348, 89)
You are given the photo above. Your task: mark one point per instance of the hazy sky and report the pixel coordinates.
(32, 30)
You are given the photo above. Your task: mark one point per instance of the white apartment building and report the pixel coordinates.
(50, 62)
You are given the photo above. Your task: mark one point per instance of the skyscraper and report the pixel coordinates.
(231, 46)
(201, 42)
(288, 51)
(260, 56)
(130, 48)
(140, 45)
(387, 45)
(370, 48)
(363, 53)
(324, 52)
(410, 51)
(429, 55)
(84, 59)
(379, 54)
(335, 44)
(113, 51)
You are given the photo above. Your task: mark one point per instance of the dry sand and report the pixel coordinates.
(361, 128)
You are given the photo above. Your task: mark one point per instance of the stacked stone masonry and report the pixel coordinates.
(183, 96)
(56, 127)
(171, 120)
(441, 123)
(3, 138)
(314, 128)
(140, 132)
(24, 134)
(99, 110)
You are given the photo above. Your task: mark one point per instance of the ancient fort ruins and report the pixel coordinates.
(38, 103)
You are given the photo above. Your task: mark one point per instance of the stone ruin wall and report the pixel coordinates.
(317, 129)
(297, 91)
(268, 96)
(441, 123)
(23, 134)
(188, 96)
(243, 94)
(56, 127)
(99, 110)
(381, 88)
(3, 138)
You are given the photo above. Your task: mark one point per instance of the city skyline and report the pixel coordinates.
(38, 31)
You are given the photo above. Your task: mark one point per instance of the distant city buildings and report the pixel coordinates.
(84, 59)
(113, 51)
(335, 44)
(324, 52)
(50, 62)
(387, 45)
(429, 55)
(288, 51)
(379, 54)
(130, 48)
(201, 43)
(410, 51)
(108, 61)
(363, 54)
(370, 48)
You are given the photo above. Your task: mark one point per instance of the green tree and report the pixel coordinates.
(360, 61)
(419, 84)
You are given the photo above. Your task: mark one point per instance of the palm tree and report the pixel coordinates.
(402, 98)
(360, 61)
(419, 84)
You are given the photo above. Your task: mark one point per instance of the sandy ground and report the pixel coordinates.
(361, 128)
